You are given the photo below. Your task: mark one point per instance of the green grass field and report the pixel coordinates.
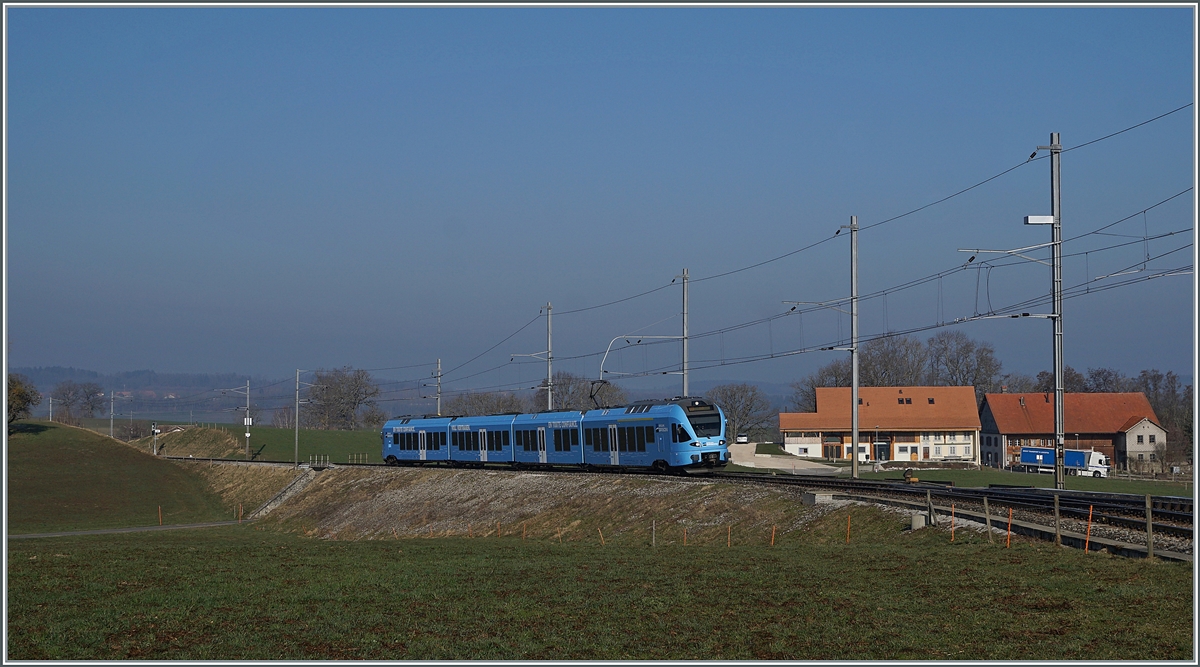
(279, 444)
(241, 593)
(64, 478)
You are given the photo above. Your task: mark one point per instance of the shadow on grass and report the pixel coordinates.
(31, 429)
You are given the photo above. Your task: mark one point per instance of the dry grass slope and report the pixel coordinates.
(198, 442)
(247, 485)
(368, 504)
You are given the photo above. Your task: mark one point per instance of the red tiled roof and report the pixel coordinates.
(953, 408)
(1082, 413)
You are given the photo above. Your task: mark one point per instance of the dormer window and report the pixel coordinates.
(931, 400)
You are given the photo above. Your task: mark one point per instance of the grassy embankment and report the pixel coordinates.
(986, 476)
(65, 478)
(279, 444)
(240, 593)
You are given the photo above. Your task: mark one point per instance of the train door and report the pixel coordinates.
(541, 444)
(613, 457)
(421, 444)
(483, 445)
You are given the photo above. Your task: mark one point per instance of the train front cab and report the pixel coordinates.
(697, 435)
(415, 440)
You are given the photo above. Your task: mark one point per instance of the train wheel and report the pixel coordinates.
(391, 460)
(660, 466)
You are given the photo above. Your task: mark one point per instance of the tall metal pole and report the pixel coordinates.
(296, 417)
(247, 419)
(685, 332)
(854, 346)
(51, 408)
(1055, 147)
(112, 396)
(439, 388)
(549, 361)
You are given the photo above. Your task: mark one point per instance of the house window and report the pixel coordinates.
(967, 450)
(904, 450)
(1151, 456)
(1141, 456)
(1152, 438)
(937, 450)
(1139, 439)
(804, 450)
(908, 401)
(953, 450)
(900, 401)
(931, 401)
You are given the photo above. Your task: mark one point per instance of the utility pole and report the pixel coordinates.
(549, 362)
(247, 419)
(685, 333)
(51, 408)
(112, 396)
(854, 346)
(1055, 148)
(438, 375)
(296, 417)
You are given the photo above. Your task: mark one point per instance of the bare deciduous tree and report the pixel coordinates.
(91, 399)
(957, 361)
(744, 405)
(484, 403)
(1073, 381)
(895, 361)
(283, 417)
(1108, 380)
(66, 395)
(804, 392)
(574, 392)
(1016, 383)
(337, 396)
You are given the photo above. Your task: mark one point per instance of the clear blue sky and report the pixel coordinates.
(254, 190)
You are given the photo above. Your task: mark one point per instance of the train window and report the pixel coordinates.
(527, 440)
(474, 441)
(504, 440)
(649, 435)
(621, 439)
(557, 440)
(641, 438)
(395, 438)
(587, 438)
(574, 438)
(489, 441)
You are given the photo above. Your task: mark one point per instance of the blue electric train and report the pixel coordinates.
(676, 434)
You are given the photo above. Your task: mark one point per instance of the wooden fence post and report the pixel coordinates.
(988, 515)
(1149, 528)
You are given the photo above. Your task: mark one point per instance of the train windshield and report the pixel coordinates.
(706, 426)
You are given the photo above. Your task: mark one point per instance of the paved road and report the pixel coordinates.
(132, 529)
(744, 455)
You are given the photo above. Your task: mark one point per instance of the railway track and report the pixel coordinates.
(1122, 510)
(1172, 514)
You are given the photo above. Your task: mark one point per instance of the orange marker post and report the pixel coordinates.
(728, 536)
(1087, 541)
(601, 536)
(951, 522)
(1008, 541)
(160, 515)
(847, 529)
(772, 535)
